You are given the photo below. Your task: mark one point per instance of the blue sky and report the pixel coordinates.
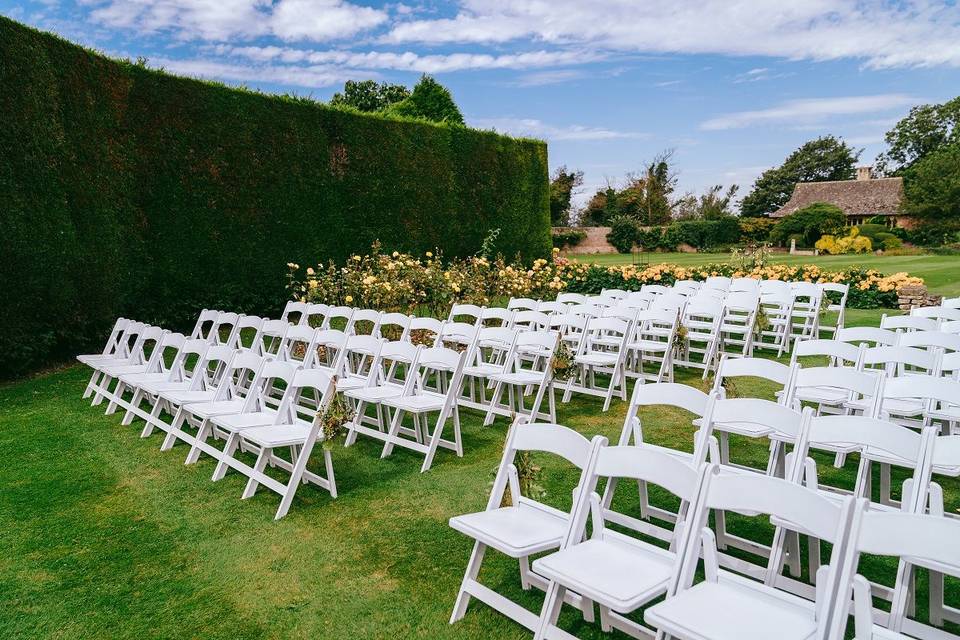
(731, 85)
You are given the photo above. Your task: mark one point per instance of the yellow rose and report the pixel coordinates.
(349, 299)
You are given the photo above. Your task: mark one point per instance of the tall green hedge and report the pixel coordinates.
(125, 191)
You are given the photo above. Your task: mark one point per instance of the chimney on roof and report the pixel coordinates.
(864, 173)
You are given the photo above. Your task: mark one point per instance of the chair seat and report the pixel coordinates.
(516, 531)
(895, 406)
(597, 359)
(188, 397)
(732, 610)
(749, 429)
(417, 404)
(234, 422)
(374, 394)
(110, 361)
(649, 345)
(483, 370)
(518, 378)
(219, 408)
(348, 383)
(117, 370)
(279, 435)
(615, 573)
(139, 379)
(91, 359)
(824, 395)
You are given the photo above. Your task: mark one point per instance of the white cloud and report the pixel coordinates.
(883, 34)
(808, 112)
(538, 129)
(220, 20)
(408, 60)
(542, 78)
(760, 74)
(301, 76)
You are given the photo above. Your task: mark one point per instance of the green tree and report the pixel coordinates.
(811, 222)
(926, 129)
(826, 158)
(562, 187)
(601, 208)
(932, 186)
(368, 95)
(714, 204)
(430, 100)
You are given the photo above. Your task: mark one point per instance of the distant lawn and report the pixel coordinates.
(941, 273)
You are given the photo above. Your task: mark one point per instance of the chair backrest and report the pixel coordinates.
(745, 284)
(188, 360)
(896, 361)
(950, 326)
(166, 351)
(496, 316)
(425, 330)
(771, 370)
(701, 306)
(492, 343)
(338, 316)
(686, 287)
(572, 298)
(952, 303)
(270, 336)
(865, 386)
(114, 343)
(908, 323)
(615, 294)
(840, 353)
(950, 365)
(361, 353)
(370, 319)
(607, 334)
(669, 301)
(628, 314)
(318, 383)
(293, 311)
(779, 287)
(471, 311)
(718, 282)
(146, 345)
(937, 313)
(204, 321)
(667, 394)
(936, 390)
(533, 320)
(330, 350)
(552, 307)
(600, 301)
(239, 374)
(298, 345)
(588, 310)
(523, 304)
(393, 326)
(211, 366)
(927, 339)
(541, 343)
(458, 333)
(553, 439)
(656, 289)
(785, 422)
(808, 290)
(871, 335)
(315, 314)
(274, 377)
(246, 334)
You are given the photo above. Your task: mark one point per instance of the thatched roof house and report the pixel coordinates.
(859, 199)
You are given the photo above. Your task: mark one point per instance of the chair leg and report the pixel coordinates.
(134, 403)
(258, 467)
(202, 433)
(393, 432)
(233, 442)
(470, 575)
(497, 394)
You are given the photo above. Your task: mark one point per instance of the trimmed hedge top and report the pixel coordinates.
(127, 191)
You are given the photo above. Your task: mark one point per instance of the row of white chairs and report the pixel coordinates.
(622, 573)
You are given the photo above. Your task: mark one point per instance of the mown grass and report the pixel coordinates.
(102, 535)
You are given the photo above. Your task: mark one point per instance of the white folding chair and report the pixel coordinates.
(934, 400)
(265, 396)
(315, 314)
(832, 291)
(620, 572)
(572, 298)
(422, 399)
(424, 331)
(338, 318)
(298, 428)
(702, 318)
(948, 342)
(487, 357)
(952, 303)
(806, 310)
(917, 540)
(950, 326)
(363, 322)
(721, 283)
(839, 354)
(525, 527)
(726, 605)
(653, 341)
(778, 310)
(246, 334)
(166, 351)
(469, 313)
(138, 360)
(391, 376)
(749, 285)
(496, 317)
(522, 376)
(603, 350)
(531, 321)
(204, 324)
(298, 345)
(270, 336)
(837, 390)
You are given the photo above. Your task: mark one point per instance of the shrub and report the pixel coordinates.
(126, 191)
(887, 241)
(872, 231)
(623, 233)
(810, 222)
(934, 234)
(755, 230)
(568, 238)
(650, 239)
(853, 242)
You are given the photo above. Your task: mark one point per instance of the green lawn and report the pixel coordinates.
(941, 273)
(104, 535)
